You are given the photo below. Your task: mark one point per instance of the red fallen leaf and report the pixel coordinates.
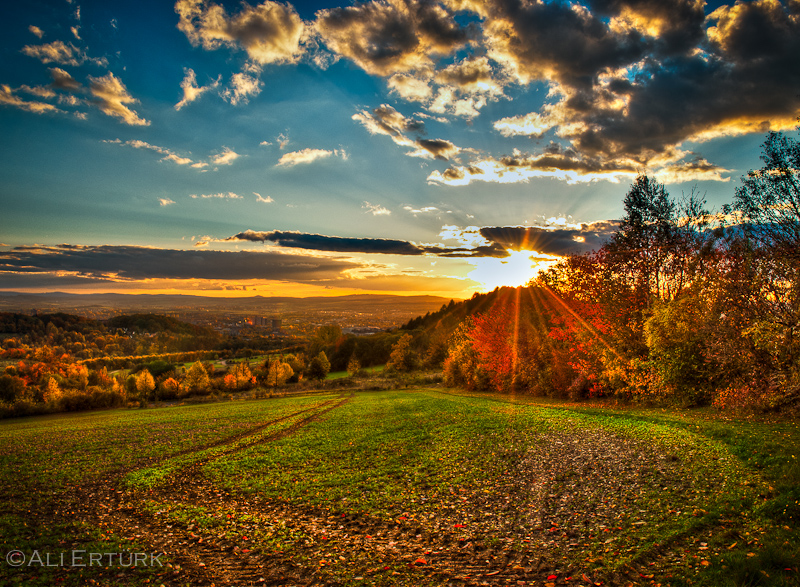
(552, 577)
(585, 578)
(420, 561)
(402, 518)
(458, 525)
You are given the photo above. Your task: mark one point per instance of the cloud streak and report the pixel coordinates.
(383, 246)
(306, 156)
(136, 263)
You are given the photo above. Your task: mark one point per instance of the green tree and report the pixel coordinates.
(641, 247)
(319, 367)
(769, 198)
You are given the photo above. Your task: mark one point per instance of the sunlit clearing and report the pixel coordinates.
(516, 269)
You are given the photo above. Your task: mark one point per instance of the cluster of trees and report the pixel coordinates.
(680, 306)
(38, 387)
(78, 338)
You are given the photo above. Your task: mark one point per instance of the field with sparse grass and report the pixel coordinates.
(412, 487)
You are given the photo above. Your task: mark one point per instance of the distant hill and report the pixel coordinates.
(111, 304)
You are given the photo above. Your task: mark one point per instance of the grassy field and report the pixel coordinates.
(415, 487)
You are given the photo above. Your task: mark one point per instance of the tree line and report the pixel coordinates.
(681, 306)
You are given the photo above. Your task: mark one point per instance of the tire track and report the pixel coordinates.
(103, 504)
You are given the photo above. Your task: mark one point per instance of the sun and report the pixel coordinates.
(515, 270)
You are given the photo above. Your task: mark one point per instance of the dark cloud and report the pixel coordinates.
(337, 244)
(439, 148)
(655, 75)
(550, 241)
(555, 156)
(678, 23)
(128, 262)
(319, 242)
(385, 38)
(559, 41)
(405, 132)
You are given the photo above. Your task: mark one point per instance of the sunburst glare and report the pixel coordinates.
(516, 269)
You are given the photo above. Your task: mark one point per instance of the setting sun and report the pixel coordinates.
(515, 270)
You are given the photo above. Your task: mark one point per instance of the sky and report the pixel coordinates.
(398, 146)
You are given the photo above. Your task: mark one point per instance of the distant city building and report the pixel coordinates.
(273, 323)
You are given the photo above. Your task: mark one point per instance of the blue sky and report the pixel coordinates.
(228, 148)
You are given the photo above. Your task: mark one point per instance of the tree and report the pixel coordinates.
(144, 384)
(196, 380)
(353, 366)
(241, 376)
(641, 246)
(278, 373)
(11, 388)
(769, 198)
(319, 367)
(402, 357)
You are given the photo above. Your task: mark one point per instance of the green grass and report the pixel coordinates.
(720, 496)
(374, 370)
(42, 457)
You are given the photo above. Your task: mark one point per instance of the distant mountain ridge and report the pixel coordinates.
(54, 301)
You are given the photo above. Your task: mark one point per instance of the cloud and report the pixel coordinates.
(8, 97)
(56, 52)
(634, 79)
(265, 200)
(191, 91)
(564, 164)
(376, 210)
(398, 36)
(435, 148)
(405, 132)
(165, 202)
(219, 196)
(168, 154)
(549, 240)
(337, 244)
(423, 210)
(111, 96)
(242, 87)
(269, 32)
(136, 263)
(308, 156)
(64, 81)
(36, 31)
(227, 157)
(410, 88)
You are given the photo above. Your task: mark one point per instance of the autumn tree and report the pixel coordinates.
(403, 357)
(278, 373)
(196, 380)
(144, 384)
